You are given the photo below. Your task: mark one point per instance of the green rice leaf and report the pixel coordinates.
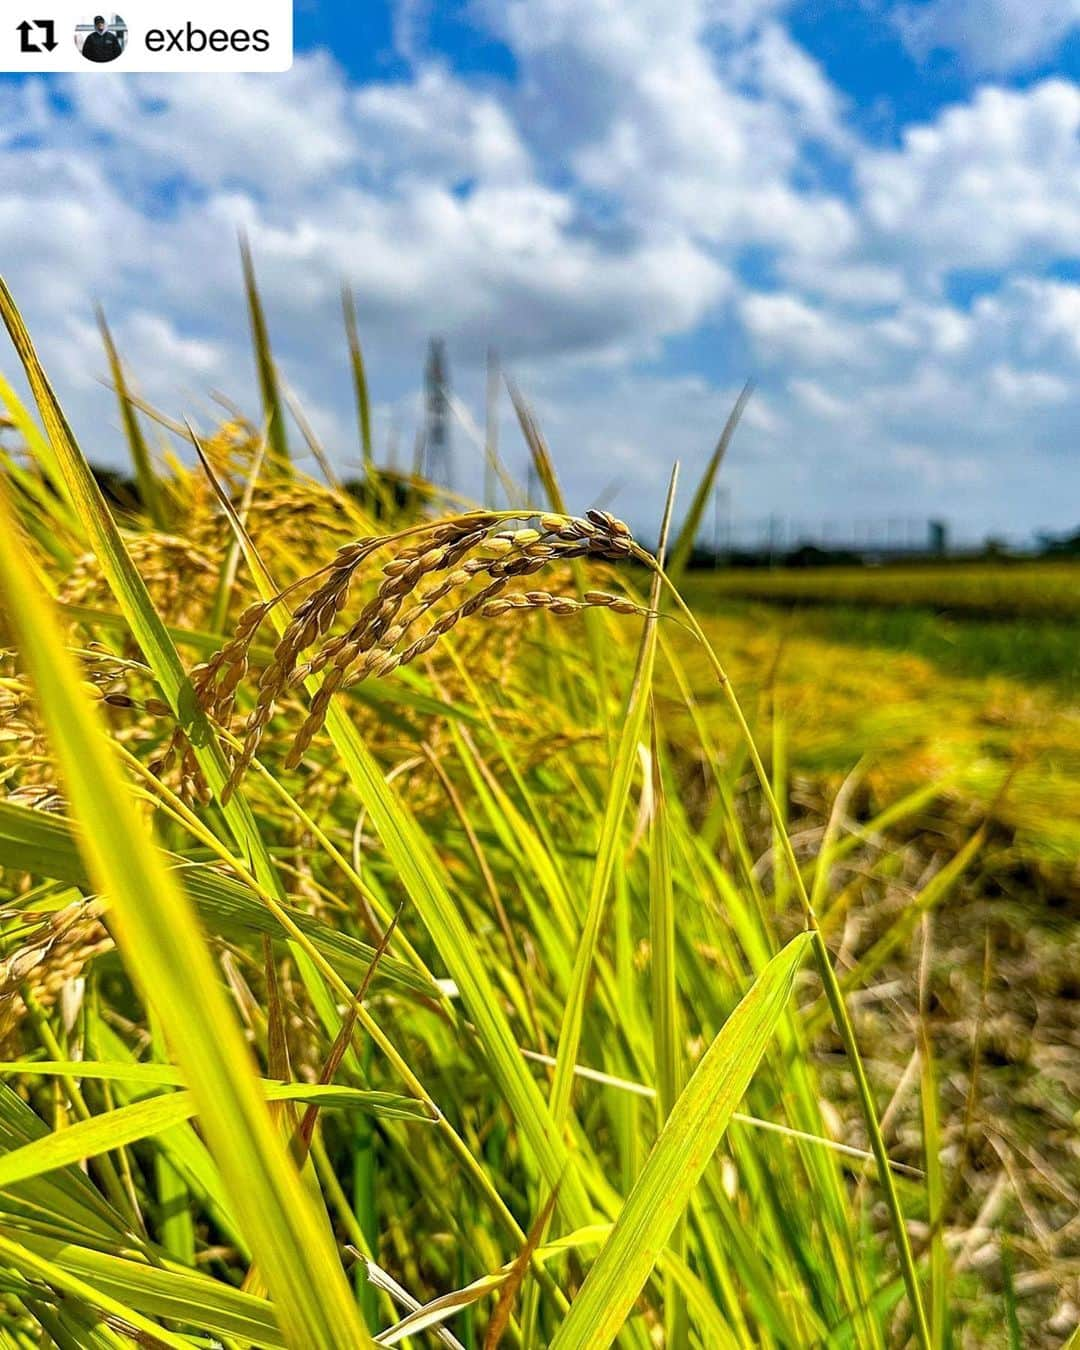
(273, 405)
(39, 1268)
(152, 1115)
(130, 591)
(684, 544)
(683, 1149)
(165, 1290)
(145, 477)
(360, 384)
(67, 1197)
(667, 1037)
(622, 772)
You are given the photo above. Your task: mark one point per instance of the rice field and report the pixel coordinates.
(420, 924)
(996, 590)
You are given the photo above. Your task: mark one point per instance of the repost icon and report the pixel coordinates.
(36, 36)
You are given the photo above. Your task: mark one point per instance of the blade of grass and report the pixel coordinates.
(165, 1290)
(935, 1185)
(89, 1137)
(131, 594)
(359, 376)
(220, 609)
(312, 441)
(680, 1155)
(549, 479)
(175, 1217)
(684, 544)
(1014, 1336)
(501, 1314)
(44, 517)
(755, 1122)
(38, 1268)
(48, 845)
(936, 890)
(145, 476)
(626, 755)
(269, 388)
(667, 1039)
(69, 1195)
(148, 629)
(306, 1128)
(40, 448)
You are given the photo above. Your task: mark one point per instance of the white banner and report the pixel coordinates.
(146, 35)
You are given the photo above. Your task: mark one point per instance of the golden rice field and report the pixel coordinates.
(1023, 589)
(419, 925)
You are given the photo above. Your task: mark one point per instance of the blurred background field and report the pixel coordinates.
(1005, 589)
(922, 676)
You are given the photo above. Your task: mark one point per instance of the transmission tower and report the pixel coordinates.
(438, 464)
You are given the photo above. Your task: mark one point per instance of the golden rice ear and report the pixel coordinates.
(463, 548)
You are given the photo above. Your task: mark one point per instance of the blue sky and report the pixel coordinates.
(873, 209)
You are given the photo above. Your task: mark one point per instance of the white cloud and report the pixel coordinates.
(940, 399)
(784, 326)
(818, 400)
(274, 135)
(1028, 388)
(433, 126)
(365, 185)
(989, 35)
(936, 471)
(500, 257)
(935, 331)
(989, 182)
(675, 130)
(779, 69)
(845, 280)
(156, 339)
(1044, 316)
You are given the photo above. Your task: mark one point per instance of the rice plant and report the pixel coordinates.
(410, 934)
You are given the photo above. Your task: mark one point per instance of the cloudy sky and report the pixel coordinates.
(873, 209)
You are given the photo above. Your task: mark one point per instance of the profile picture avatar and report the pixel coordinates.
(100, 41)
